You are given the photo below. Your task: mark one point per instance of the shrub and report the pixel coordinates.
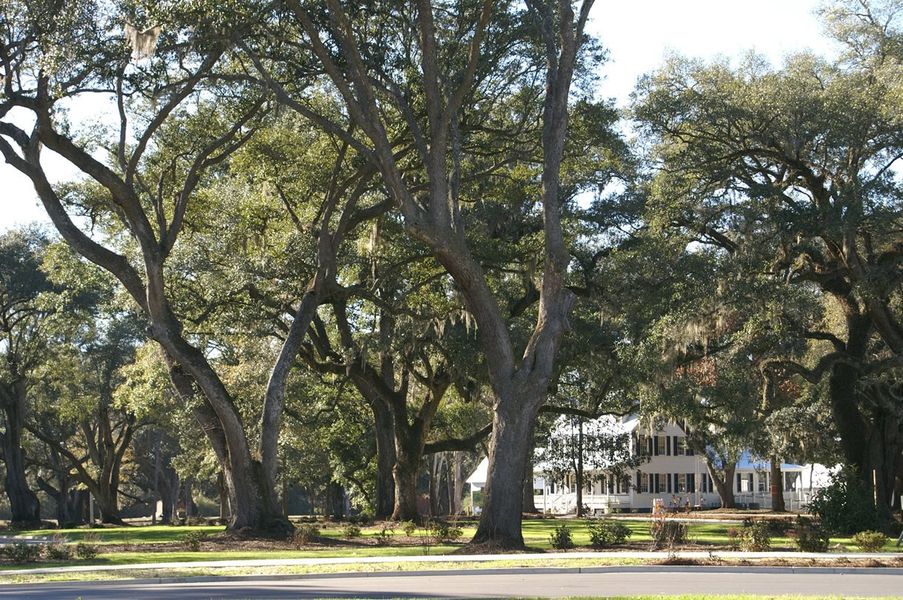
(384, 535)
(779, 527)
(20, 552)
(561, 538)
(846, 506)
(57, 549)
(445, 531)
(409, 528)
(811, 536)
(667, 533)
(305, 534)
(361, 519)
(85, 551)
(755, 536)
(606, 533)
(734, 538)
(193, 539)
(351, 531)
(870, 541)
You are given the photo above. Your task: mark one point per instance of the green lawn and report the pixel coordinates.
(536, 536)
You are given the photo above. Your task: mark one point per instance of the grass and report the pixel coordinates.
(536, 533)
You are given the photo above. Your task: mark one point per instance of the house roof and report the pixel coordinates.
(477, 479)
(748, 462)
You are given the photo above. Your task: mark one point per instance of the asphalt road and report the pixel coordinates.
(499, 584)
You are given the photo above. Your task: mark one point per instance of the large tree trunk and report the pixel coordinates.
(24, 506)
(108, 504)
(384, 429)
(777, 486)
(169, 486)
(254, 503)
(405, 474)
(579, 469)
(529, 501)
(870, 442)
(335, 501)
(500, 521)
(724, 483)
(457, 498)
(885, 440)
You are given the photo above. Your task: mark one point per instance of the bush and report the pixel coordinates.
(779, 527)
(384, 535)
(20, 552)
(361, 519)
(409, 528)
(755, 536)
(846, 506)
(734, 538)
(667, 533)
(561, 538)
(351, 531)
(870, 541)
(193, 539)
(305, 534)
(811, 536)
(606, 533)
(57, 549)
(85, 551)
(445, 531)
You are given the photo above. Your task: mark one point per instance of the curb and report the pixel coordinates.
(860, 571)
(448, 558)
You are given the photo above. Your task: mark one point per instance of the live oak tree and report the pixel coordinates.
(409, 76)
(25, 311)
(790, 171)
(168, 135)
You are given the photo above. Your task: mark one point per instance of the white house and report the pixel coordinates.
(669, 471)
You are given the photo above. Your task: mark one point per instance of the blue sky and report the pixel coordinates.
(639, 34)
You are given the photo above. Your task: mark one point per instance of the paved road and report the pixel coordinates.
(499, 584)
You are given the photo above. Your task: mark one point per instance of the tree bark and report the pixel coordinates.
(529, 501)
(24, 506)
(405, 474)
(335, 501)
(724, 483)
(384, 429)
(579, 470)
(500, 520)
(777, 486)
(457, 500)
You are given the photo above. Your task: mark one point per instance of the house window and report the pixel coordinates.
(661, 445)
(762, 482)
(790, 481)
(745, 483)
(680, 446)
(642, 445)
(644, 483)
(661, 483)
(681, 483)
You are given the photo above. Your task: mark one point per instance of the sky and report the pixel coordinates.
(639, 35)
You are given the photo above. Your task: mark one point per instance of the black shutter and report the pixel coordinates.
(639, 486)
(655, 445)
(669, 482)
(668, 445)
(691, 483)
